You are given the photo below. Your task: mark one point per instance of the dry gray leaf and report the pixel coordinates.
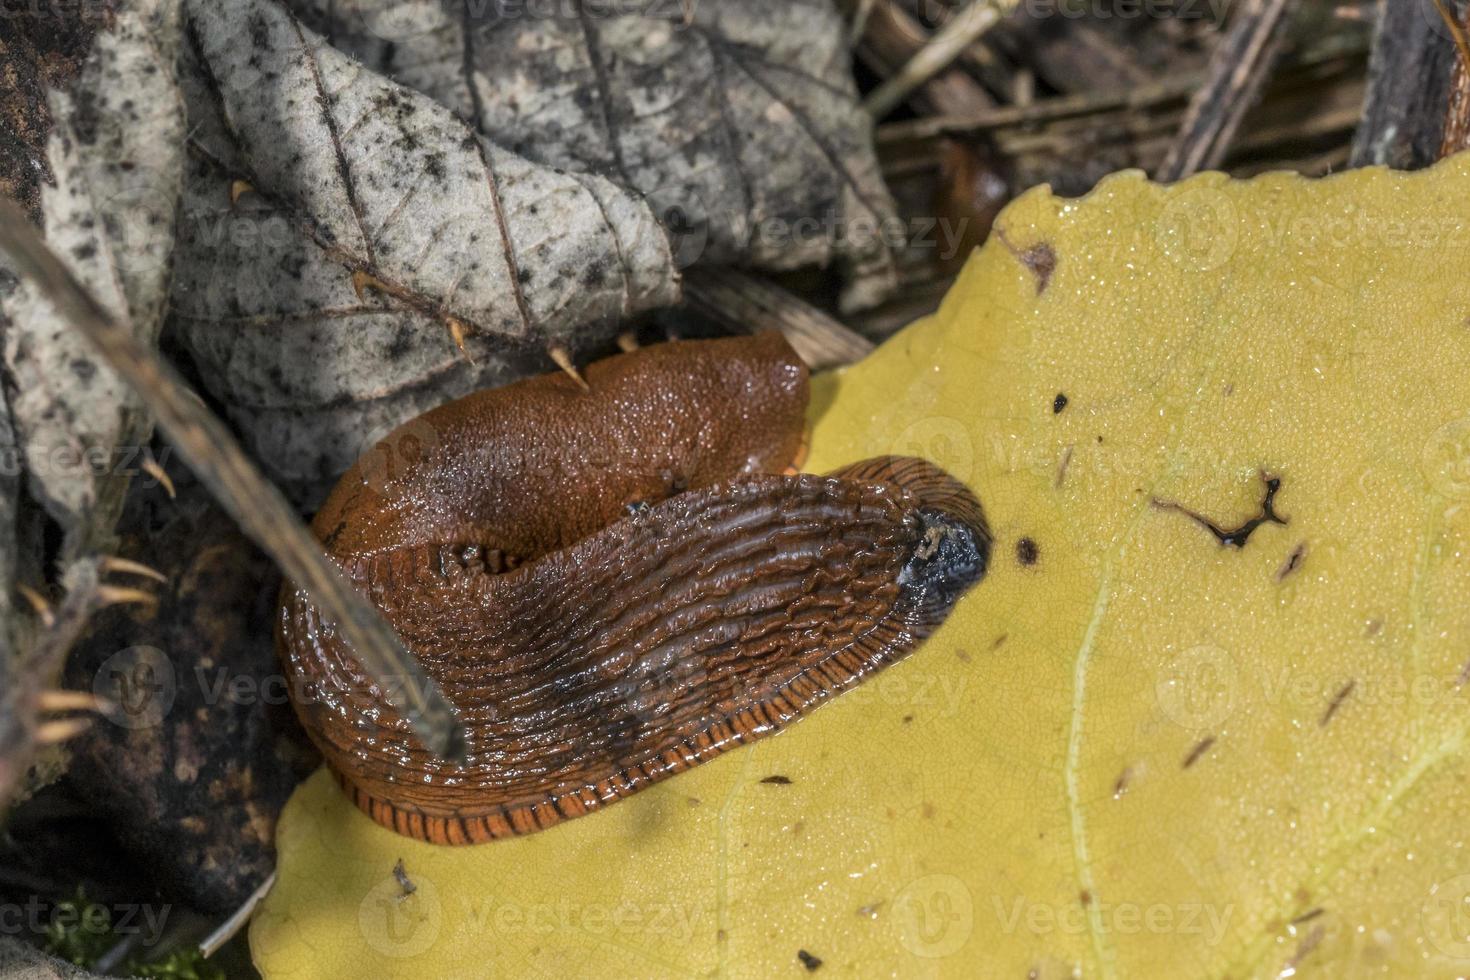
(739, 120)
(321, 304)
(115, 154)
(22, 961)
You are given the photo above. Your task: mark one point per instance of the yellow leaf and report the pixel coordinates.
(1133, 750)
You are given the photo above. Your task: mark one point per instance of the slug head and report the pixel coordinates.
(951, 556)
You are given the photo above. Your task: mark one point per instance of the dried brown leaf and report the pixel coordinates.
(739, 120)
(359, 181)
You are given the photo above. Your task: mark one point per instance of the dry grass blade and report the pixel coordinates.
(947, 45)
(215, 456)
(1041, 111)
(746, 303)
(860, 21)
(237, 920)
(891, 37)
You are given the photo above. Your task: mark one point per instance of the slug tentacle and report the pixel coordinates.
(588, 665)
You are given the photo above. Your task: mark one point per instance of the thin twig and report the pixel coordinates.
(747, 303)
(228, 929)
(859, 21)
(222, 466)
(892, 37)
(946, 45)
(1239, 66)
(1042, 110)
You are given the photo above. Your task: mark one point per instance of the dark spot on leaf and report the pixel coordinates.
(1337, 700)
(260, 33)
(1085, 897)
(404, 882)
(1309, 943)
(777, 780)
(594, 274)
(1026, 551)
(1293, 561)
(84, 370)
(1062, 467)
(401, 343)
(808, 960)
(1040, 259)
(1058, 403)
(1237, 537)
(1200, 748)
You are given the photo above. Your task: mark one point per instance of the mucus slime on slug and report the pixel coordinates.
(616, 584)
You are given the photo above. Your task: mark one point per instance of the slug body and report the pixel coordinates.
(614, 585)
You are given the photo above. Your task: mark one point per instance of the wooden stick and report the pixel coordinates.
(749, 304)
(892, 37)
(1239, 66)
(222, 466)
(859, 21)
(1408, 88)
(1043, 110)
(236, 920)
(946, 45)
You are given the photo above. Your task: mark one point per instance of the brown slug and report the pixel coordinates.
(612, 585)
